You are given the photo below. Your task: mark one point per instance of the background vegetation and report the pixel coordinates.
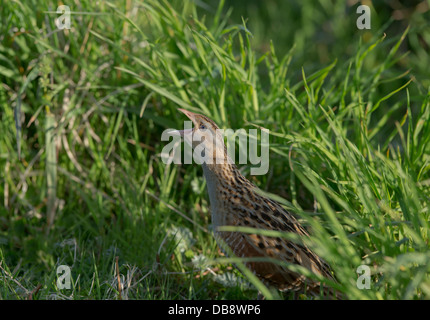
(82, 111)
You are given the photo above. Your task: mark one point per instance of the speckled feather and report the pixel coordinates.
(236, 202)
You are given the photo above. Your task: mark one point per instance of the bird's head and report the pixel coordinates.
(205, 138)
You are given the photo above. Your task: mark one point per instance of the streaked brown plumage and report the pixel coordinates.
(236, 202)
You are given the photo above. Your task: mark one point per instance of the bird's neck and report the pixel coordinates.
(221, 176)
(218, 181)
(223, 171)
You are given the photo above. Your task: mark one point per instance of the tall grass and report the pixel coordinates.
(82, 112)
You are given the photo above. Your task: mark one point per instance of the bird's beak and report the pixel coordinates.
(186, 132)
(189, 114)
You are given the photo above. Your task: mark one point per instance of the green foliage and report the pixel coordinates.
(82, 112)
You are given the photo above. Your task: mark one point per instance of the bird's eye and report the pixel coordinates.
(202, 126)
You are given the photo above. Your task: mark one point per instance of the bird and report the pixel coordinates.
(235, 201)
